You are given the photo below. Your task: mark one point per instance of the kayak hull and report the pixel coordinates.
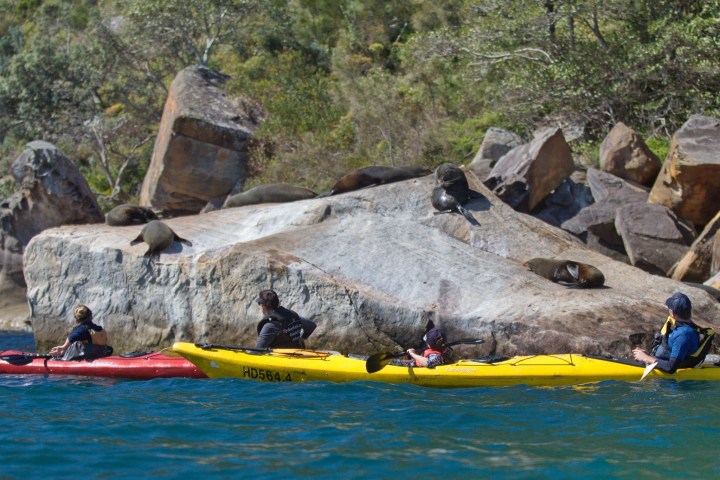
(145, 366)
(292, 365)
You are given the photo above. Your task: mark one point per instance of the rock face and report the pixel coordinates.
(595, 225)
(201, 150)
(496, 143)
(696, 265)
(690, 178)
(527, 174)
(653, 236)
(52, 193)
(371, 267)
(624, 154)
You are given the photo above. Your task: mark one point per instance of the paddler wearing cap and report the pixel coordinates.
(437, 351)
(678, 345)
(280, 327)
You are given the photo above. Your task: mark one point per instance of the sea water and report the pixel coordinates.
(54, 427)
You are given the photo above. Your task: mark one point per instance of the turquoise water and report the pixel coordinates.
(70, 427)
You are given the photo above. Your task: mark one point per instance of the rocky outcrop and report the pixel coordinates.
(201, 150)
(496, 143)
(565, 202)
(696, 264)
(624, 154)
(595, 225)
(527, 174)
(653, 236)
(371, 267)
(52, 192)
(690, 178)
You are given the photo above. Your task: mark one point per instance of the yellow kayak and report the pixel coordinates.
(296, 365)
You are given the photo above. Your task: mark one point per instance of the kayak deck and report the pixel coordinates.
(143, 366)
(295, 365)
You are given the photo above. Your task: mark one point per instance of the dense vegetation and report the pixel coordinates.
(349, 83)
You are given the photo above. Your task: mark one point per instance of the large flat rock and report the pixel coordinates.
(370, 267)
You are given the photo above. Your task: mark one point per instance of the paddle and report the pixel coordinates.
(378, 361)
(647, 371)
(20, 359)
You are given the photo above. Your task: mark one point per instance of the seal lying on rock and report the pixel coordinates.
(372, 176)
(158, 236)
(452, 191)
(270, 193)
(567, 272)
(127, 214)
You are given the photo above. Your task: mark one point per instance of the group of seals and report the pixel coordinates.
(127, 214)
(452, 191)
(158, 237)
(270, 193)
(567, 272)
(375, 175)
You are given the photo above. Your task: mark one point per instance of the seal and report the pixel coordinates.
(270, 193)
(373, 176)
(127, 214)
(452, 191)
(567, 272)
(158, 236)
(444, 202)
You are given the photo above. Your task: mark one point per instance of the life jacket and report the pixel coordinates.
(694, 359)
(98, 337)
(289, 322)
(430, 351)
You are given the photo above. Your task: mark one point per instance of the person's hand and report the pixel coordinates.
(642, 356)
(411, 351)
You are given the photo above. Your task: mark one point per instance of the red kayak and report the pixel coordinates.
(137, 365)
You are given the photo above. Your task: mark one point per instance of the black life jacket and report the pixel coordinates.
(290, 326)
(694, 359)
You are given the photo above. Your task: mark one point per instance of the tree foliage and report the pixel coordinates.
(349, 83)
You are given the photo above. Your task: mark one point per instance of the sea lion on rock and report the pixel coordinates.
(452, 191)
(372, 176)
(567, 272)
(270, 193)
(158, 236)
(127, 214)
(444, 202)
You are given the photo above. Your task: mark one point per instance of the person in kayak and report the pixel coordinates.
(437, 352)
(678, 343)
(85, 334)
(280, 327)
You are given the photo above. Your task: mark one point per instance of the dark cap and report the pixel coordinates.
(435, 338)
(82, 313)
(680, 305)
(268, 298)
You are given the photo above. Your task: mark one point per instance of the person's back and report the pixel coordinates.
(280, 327)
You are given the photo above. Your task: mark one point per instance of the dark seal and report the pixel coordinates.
(452, 191)
(567, 272)
(127, 214)
(158, 237)
(373, 176)
(270, 193)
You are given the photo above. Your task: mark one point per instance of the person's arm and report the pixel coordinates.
(267, 335)
(419, 359)
(668, 366)
(59, 350)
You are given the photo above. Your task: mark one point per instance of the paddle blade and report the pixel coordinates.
(17, 360)
(380, 360)
(647, 371)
